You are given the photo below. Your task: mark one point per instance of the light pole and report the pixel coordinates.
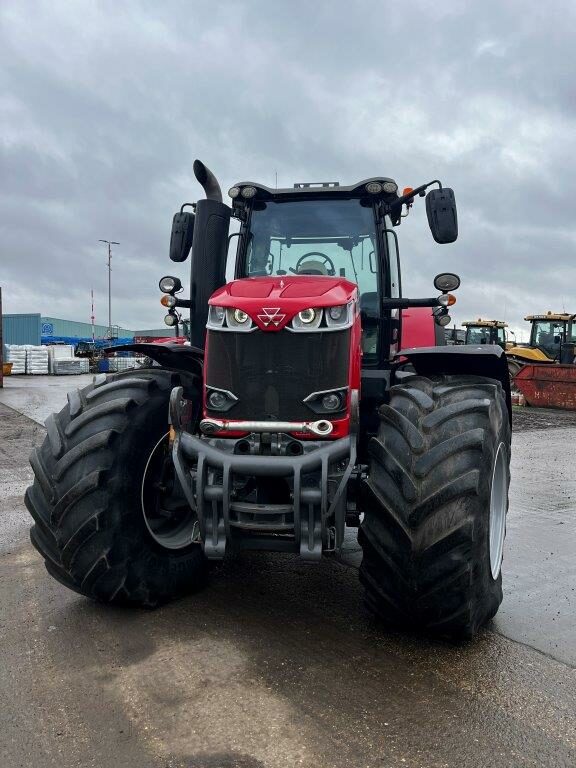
(110, 243)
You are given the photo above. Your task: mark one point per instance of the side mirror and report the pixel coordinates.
(182, 235)
(442, 216)
(446, 282)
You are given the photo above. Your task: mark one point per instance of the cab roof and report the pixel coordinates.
(480, 323)
(563, 316)
(322, 189)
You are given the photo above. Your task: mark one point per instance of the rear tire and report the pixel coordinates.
(435, 496)
(86, 502)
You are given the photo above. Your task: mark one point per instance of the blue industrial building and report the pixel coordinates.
(54, 326)
(22, 329)
(36, 329)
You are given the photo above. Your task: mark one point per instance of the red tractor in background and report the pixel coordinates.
(296, 410)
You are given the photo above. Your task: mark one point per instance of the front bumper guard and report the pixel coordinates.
(199, 462)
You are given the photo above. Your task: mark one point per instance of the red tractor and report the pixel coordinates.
(294, 412)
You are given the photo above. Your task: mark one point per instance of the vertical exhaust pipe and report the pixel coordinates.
(208, 181)
(209, 251)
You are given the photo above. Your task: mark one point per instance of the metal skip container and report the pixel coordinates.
(548, 386)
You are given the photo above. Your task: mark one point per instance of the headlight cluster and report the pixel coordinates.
(327, 318)
(309, 319)
(169, 285)
(228, 317)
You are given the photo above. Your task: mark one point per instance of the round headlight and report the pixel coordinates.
(443, 320)
(374, 187)
(248, 192)
(168, 300)
(169, 284)
(170, 320)
(233, 192)
(337, 312)
(240, 316)
(389, 187)
(217, 400)
(307, 316)
(332, 402)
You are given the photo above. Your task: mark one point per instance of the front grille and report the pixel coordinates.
(272, 372)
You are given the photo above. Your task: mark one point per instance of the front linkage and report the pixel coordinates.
(213, 473)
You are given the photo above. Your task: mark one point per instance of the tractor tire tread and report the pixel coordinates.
(88, 523)
(424, 532)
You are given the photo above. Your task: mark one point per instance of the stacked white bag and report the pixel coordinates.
(16, 354)
(36, 360)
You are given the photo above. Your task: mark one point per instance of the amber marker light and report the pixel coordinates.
(446, 300)
(168, 301)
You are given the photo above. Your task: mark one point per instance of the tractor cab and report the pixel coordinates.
(551, 331)
(324, 231)
(485, 332)
(552, 340)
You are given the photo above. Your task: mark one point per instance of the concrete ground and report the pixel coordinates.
(276, 663)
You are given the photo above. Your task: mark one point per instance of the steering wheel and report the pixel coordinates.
(330, 268)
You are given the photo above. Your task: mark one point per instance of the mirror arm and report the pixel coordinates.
(418, 191)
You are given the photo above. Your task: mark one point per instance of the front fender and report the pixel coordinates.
(181, 357)
(488, 360)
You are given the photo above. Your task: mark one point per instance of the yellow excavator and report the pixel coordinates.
(485, 332)
(548, 334)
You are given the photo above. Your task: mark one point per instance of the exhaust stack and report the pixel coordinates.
(209, 251)
(208, 181)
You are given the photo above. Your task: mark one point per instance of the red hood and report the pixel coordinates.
(288, 295)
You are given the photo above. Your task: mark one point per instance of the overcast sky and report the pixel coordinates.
(105, 105)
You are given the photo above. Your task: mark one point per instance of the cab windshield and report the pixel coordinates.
(478, 336)
(485, 335)
(314, 237)
(548, 335)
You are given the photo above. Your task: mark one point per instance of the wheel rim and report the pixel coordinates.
(498, 500)
(167, 515)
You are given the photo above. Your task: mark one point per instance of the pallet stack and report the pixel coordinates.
(70, 366)
(36, 360)
(16, 354)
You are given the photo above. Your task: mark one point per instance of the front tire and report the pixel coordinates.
(86, 498)
(513, 367)
(435, 503)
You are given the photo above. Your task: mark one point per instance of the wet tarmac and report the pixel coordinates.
(39, 396)
(276, 662)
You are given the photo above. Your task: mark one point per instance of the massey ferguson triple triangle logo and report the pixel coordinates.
(271, 316)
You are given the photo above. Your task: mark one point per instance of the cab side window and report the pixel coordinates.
(394, 258)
